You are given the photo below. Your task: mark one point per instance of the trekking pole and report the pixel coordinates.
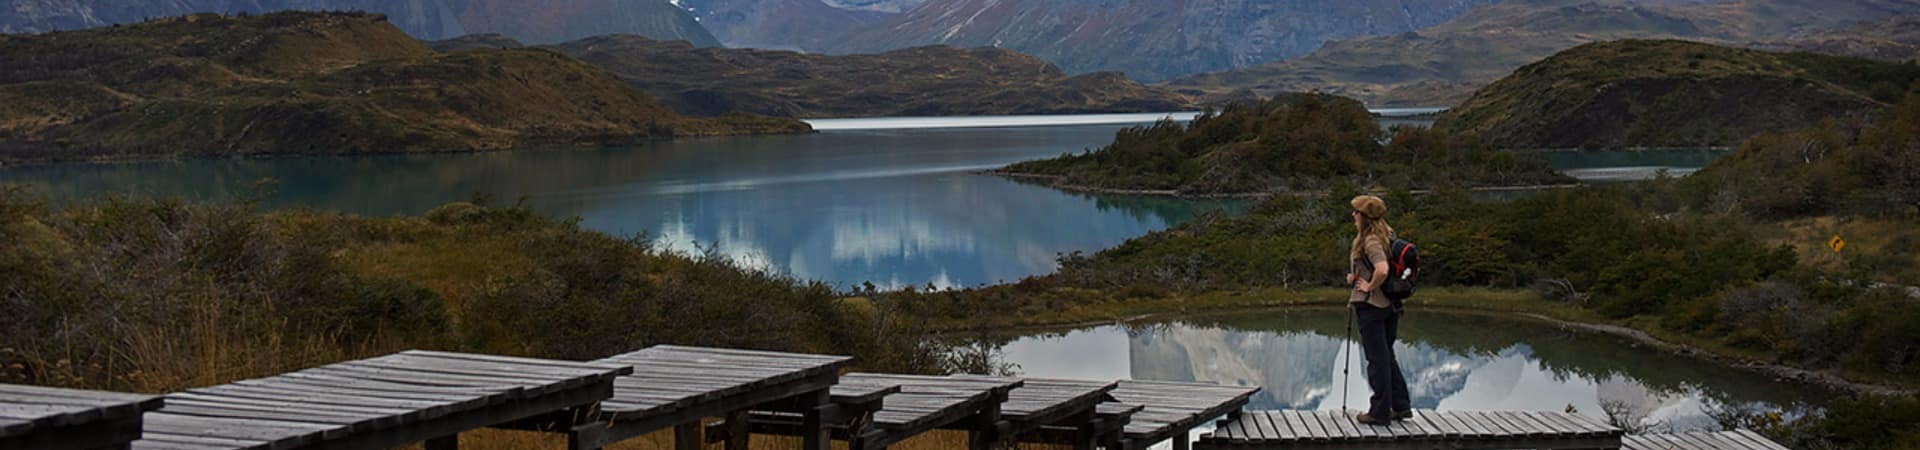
(1346, 359)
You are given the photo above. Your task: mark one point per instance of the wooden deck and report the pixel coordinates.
(1171, 409)
(33, 417)
(674, 386)
(374, 403)
(1043, 401)
(1721, 440)
(925, 403)
(417, 396)
(1426, 430)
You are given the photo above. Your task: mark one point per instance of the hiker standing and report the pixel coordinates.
(1378, 316)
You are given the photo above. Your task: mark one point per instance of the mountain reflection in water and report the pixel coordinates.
(1452, 362)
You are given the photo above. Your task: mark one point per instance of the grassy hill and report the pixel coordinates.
(1294, 142)
(320, 83)
(1443, 64)
(1640, 93)
(911, 82)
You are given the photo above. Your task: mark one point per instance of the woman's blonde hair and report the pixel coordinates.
(1373, 212)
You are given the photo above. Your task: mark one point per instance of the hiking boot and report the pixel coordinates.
(1403, 415)
(1370, 420)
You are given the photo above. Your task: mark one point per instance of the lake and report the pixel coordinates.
(1451, 361)
(892, 201)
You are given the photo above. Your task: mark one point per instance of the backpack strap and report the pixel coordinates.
(1402, 258)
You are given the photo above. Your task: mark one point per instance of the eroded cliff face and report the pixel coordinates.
(547, 22)
(1151, 39)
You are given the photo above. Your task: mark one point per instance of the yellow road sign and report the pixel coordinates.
(1836, 243)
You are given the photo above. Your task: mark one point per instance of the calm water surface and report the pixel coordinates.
(1452, 362)
(893, 201)
(893, 207)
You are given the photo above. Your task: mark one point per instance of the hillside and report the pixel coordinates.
(1291, 143)
(210, 85)
(1895, 39)
(548, 21)
(804, 25)
(1444, 64)
(911, 82)
(1672, 93)
(1149, 40)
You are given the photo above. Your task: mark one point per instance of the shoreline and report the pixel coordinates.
(1053, 181)
(1778, 372)
(555, 145)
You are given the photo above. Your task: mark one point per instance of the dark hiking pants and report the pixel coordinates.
(1379, 327)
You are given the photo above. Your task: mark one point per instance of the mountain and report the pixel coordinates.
(1149, 39)
(806, 25)
(1669, 93)
(1895, 39)
(911, 82)
(546, 22)
(885, 6)
(1443, 64)
(319, 83)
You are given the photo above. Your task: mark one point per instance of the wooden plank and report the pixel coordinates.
(1353, 428)
(207, 441)
(756, 353)
(477, 374)
(614, 369)
(1471, 422)
(1759, 441)
(287, 434)
(1288, 431)
(1309, 429)
(102, 397)
(1325, 430)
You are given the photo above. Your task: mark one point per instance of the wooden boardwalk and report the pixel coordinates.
(1171, 409)
(374, 403)
(431, 397)
(1426, 430)
(1721, 440)
(674, 386)
(925, 403)
(33, 417)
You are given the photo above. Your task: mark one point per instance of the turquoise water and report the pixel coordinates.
(891, 207)
(892, 201)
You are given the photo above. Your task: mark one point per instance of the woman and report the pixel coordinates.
(1379, 318)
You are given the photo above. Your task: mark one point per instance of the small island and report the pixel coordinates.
(1292, 143)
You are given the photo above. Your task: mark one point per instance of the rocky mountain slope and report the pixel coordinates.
(322, 83)
(911, 82)
(1895, 39)
(1669, 93)
(806, 25)
(546, 21)
(1443, 64)
(1150, 39)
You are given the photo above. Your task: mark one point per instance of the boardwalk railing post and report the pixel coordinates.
(588, 436)
(985, 430)
(812, 406)
(738, 430)
(686, 436)
(1183, 439)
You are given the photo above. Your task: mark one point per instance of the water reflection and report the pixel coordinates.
(1452, 362)
(894, 207)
